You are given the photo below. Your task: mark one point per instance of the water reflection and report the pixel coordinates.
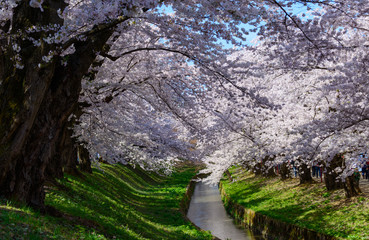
(207, 211)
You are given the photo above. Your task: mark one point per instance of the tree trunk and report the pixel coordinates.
(65, 157)
(268, 172)
(229, 175)
(67, 151)
(36, 103)
(331, 179)
(257, 169)
(267, 167)
(305, 174)
(284, 171)
(84, 159)
(351, 187)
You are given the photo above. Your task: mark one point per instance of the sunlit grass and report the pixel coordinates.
(115, 202)
(307, 205)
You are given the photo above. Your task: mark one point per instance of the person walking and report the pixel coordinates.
(364, 171)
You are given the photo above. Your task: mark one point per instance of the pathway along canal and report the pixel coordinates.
(207, 212)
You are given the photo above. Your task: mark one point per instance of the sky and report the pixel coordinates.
(296, 9)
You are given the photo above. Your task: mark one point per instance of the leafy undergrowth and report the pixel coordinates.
(115, 202)
(306, 205)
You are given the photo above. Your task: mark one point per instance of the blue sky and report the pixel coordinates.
(296, 9)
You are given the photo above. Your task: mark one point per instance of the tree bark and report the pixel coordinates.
(268, 171)
(331, 179)
(284, 171)
(305, 174)
(67, 151)
(84, 159)
(257, 169)
(229, 175)
(351, 187)
(36, 103)
(65, 157)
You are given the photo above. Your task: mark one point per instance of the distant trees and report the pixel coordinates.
(313, 72)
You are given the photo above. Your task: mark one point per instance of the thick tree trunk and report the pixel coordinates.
(65, 157)
(36, 103)
(331, 179)
(67, 151)
(305, 174)
(31, 156)
(26, 145)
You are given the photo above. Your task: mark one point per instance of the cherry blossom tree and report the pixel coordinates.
(322, 64)
(143, 112)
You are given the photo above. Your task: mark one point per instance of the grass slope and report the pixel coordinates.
(307, 205)
(115, 202)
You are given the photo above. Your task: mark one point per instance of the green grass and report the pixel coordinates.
(115, 202)
(307, 205)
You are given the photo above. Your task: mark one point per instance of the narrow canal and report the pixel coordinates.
(207, 212)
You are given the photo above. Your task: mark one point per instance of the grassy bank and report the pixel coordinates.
(115, 202)
(307, 205)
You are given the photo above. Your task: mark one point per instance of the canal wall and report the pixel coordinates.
(266, 226)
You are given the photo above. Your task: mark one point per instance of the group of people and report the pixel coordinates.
(361, 168)
(364, 166)
(316, 169)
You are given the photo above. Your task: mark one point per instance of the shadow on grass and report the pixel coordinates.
(288, 204)
(21, 222)
(128, 203)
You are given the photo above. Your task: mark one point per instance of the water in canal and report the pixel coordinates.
(207, 212)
